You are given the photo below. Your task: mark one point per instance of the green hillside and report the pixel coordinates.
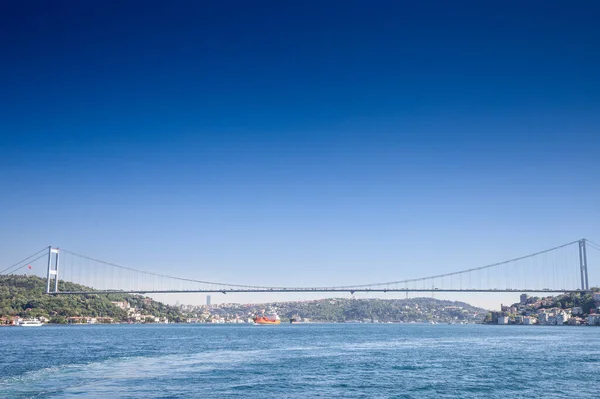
(24, 296)
(346, 309)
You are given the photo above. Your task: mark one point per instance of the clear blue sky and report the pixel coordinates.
(299, 143)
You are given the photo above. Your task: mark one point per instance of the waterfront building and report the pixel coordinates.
(593, 320)
(562, 318)
(503, 320)
(575, 321)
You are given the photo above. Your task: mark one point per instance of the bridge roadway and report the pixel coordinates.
(350, 290)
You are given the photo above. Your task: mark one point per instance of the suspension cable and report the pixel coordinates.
(27, 264)
(25, 260)
(331, 287)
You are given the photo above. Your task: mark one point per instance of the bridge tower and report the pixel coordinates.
(583, 265)
(53, 262)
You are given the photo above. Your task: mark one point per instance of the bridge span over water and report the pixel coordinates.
(560, 269)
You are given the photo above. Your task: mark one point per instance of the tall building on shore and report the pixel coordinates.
(523, 299)
(208, 300)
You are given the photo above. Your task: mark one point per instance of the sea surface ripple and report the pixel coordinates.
(300, 361)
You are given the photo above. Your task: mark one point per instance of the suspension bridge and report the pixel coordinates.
(560, 269)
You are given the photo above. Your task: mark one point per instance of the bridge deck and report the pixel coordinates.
(350, 290)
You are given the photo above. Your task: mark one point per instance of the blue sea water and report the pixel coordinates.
(300, 361)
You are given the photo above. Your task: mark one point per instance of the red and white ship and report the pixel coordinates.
(270, 319)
